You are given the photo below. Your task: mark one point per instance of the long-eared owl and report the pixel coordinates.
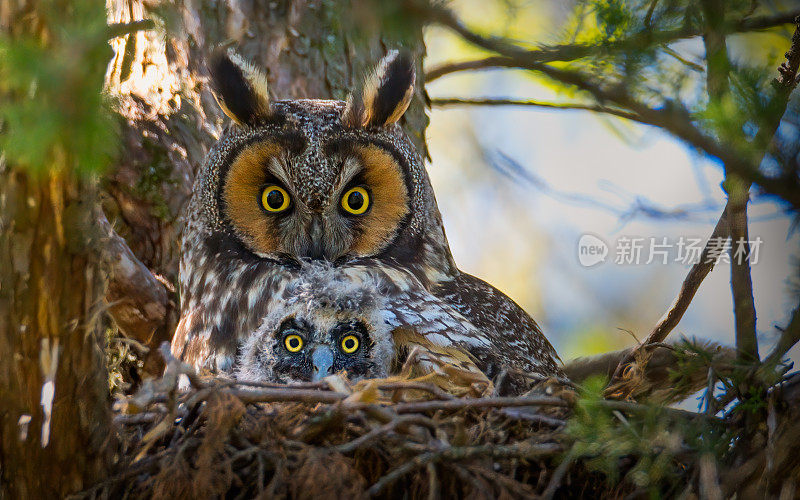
(318, 180)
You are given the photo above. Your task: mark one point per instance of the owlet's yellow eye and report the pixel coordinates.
(293, 343)
(275, 199)
(355, 201)
(350, 344)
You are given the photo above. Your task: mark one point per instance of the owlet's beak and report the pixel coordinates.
(322, 362)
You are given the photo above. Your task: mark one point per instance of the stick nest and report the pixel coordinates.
(443, 434)
(405, 436)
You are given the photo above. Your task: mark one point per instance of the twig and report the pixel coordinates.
(419, 386)
(474, 403)
(523, 449)
(676, 119)
(275, 395)
(379, 431)
(434, 490)
(789, 337)
(693, 65)
(395, 474)
(516, 488)
(648, 18)
(485, 63)
(294, 385)
(521, 414)
(137, 418)
(452, 101)
(558, 474)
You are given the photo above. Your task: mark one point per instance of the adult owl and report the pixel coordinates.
(331, 319)
(335, 181)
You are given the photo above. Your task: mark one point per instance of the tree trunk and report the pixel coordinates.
(55, 419)
(53, 383)
(310, 49)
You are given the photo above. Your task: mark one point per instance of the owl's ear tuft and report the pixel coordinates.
(386, 93)
(239, 87)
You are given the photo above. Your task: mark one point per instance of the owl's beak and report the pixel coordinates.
(322, 361)
(316, 234)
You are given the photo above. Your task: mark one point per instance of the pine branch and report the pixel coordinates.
(673, 117)
(676, 119)
(484, 63)
(571, 52)
(784, 84)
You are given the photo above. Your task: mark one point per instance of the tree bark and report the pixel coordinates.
(55, 418)
(309, 49)
(54, 403)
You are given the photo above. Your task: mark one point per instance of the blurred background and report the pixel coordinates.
(521, 185)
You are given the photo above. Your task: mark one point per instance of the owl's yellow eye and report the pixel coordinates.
(275, 199)
(355, 201)
(293, 343)
(350, 344)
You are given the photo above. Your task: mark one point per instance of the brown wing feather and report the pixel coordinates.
(517, 343)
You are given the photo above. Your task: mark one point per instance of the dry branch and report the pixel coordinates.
(452, 101)
(460, 404)
(524, 450)
(284, 394)
(136, 300)
(789, 337)
(713, 247)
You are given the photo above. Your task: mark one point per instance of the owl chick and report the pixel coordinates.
(332, 319)
(319, 327)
